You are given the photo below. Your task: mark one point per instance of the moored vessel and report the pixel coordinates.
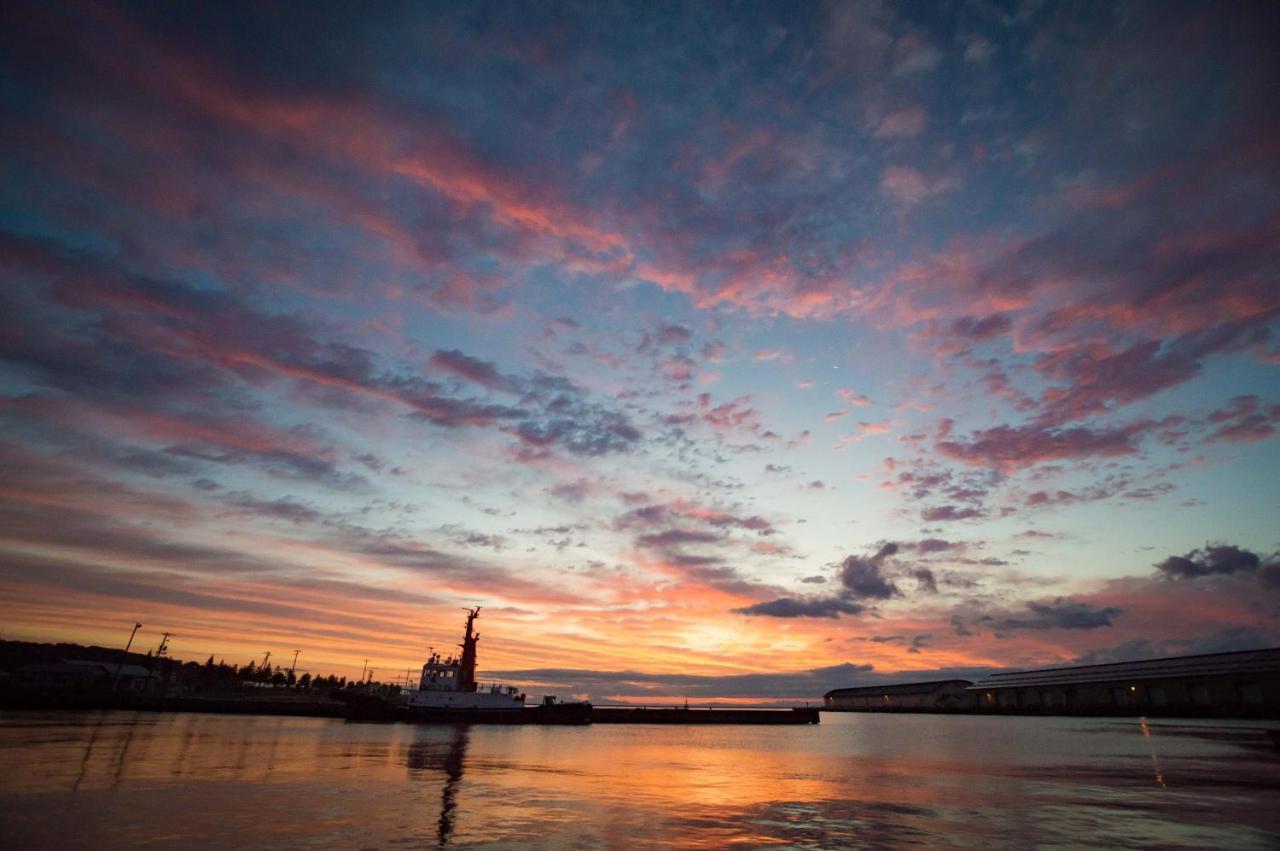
(448, 693)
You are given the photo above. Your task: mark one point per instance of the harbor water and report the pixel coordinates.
(124, 780)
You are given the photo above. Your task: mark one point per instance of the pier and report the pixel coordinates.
(702, 715)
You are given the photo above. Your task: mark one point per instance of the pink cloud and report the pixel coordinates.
(865, 430)
(1244, 420)
(851, 397)
(905, 122)
(944, 513)
(1008, 448)
(908, 186)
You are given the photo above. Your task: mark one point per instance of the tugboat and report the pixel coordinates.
(448, 693)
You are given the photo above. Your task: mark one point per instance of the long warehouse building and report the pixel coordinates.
(1241, 684)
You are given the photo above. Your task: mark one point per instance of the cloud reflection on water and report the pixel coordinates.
(854, 781)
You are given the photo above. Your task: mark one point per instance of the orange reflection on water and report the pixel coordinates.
(75, 780)
(1155, 760)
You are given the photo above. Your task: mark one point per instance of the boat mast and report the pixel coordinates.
(467, 676)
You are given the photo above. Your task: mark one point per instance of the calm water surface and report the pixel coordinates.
(117, 779)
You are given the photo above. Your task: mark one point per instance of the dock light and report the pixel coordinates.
(1133, 688)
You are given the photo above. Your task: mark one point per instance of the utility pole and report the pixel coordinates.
(362, 670)
(164, 645)
(294, 667)
(137, 625)
(264, 660)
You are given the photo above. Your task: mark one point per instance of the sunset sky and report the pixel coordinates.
(715, 350)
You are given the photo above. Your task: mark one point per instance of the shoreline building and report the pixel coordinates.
(937, 695)
(1239, 684)
(1242, 684)
(75, 676)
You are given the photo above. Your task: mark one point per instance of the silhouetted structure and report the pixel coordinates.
(1240, 684)
(73, 676)
(934, 695)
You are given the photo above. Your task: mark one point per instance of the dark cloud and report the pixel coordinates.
(804, 607)
(473, 369)
(677, 537)
(944, 513)
(157, 342)
(662, 515)
(143, 546)
(601, 433)
(1060, 613)
(1213, 559)
(1244, 420)
(279, 509)
(463, 537)
(1229, 640)
(1063, 613)
(673, 334)
(982, 329)
(1009, 448)
(927, 581)
(1226, 640)
(418, 557)
(1129, 651)
(1270, 574)
(575, 491)
(862, 577)
(933, 545)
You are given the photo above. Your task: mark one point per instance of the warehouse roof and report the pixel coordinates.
(79, 668)
(895, 689)
(1242, 662)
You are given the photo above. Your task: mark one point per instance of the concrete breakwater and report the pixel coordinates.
(369, 708)
(702, 715)
(303, 706)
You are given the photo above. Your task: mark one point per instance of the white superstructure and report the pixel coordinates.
(450, 683)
